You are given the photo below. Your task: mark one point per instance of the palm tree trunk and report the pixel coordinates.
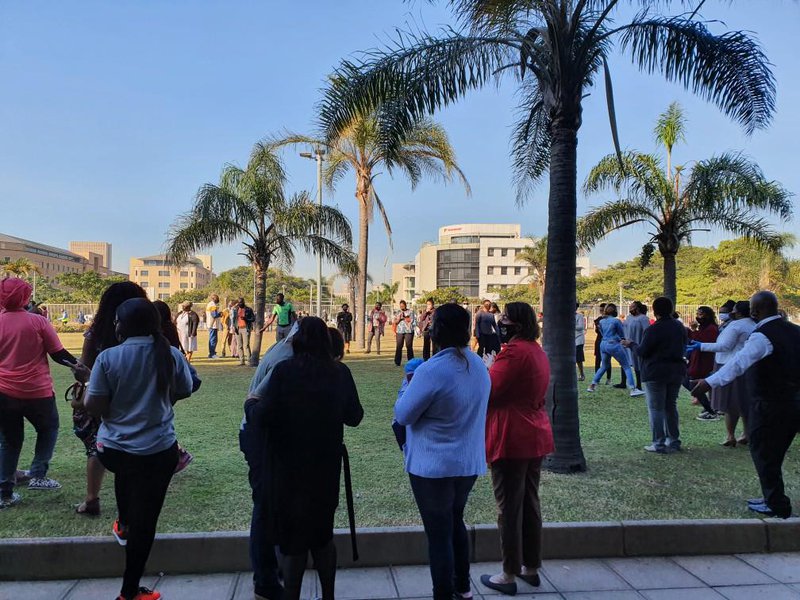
(259, 306)
(559, 303)
(359, 330)
(670, 276)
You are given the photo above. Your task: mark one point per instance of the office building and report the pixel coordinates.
(161, 280)
(52, 261)
(479, 259)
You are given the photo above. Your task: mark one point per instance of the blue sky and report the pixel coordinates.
(112, 114)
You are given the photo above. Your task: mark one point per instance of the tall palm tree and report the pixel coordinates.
(724, 192)
(553, 52)
(535, 257)
(424, 151)
(20, 267)
(250, 205)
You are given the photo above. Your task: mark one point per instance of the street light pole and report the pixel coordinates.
(318, 154)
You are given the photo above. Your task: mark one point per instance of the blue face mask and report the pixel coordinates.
(724, 317)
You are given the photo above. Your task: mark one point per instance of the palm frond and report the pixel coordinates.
(730, 70)
(670, 127)
(384, 217)
(530, 140)
(741, 223)
(638, 175)
(601, 221)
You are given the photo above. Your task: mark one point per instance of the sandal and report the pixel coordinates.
(89, 508)
(743, 441)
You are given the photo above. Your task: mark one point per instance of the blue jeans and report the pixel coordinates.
(662, 405)
(614, 349)
(441, 503)
(212, 342)
(263, 557)
(42, 414)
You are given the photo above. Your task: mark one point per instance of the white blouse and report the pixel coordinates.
(731, 339)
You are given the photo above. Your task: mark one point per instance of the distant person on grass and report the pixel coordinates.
(243, 319)
(26, 389)
(187, 322)
(486, 330)
(133, 388)
(660, 354)
(635, 325)
(518, 437)
(376, 323)
(444, 412)
(580, 341)
(214, 324)
(303, 410)
(424, 321)
(598, 342)
(613, 334)
(344, 323)
(404, 323)
(701, 364)
(284, 313)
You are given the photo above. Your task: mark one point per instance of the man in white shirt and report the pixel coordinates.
(580, 341)
(214, 323)
(771, 360)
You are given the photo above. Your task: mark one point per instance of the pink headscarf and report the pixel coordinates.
(14, 293)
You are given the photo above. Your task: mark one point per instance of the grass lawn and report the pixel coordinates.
(623, 482)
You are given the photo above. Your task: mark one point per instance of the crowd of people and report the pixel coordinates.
(475, 401)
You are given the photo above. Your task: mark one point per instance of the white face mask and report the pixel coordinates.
(724, 317)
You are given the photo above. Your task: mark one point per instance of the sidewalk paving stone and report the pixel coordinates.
(413, 582)
(38, 590)
(244, 586)
(103, 588)
(759, 592)
(705, 593)
(784, 567)
(608, 595)
(354, 584)
(653, 573)
(539, 596)
(582, 576)
(723, 570)
(191, 587)
(493, 568)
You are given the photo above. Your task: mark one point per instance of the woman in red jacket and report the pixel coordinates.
(518, 437)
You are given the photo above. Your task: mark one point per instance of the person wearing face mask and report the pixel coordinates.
(425, 319)
(635, 326)
(704, 330)
(518, 437)
(731, 399)
(770, 362)
(344, 323)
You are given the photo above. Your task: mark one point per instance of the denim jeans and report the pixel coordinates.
(615, 350)
(441, 503)
(42, 414)
(662, 405)
(212, 342)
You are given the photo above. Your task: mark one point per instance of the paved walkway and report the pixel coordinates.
(740, 577)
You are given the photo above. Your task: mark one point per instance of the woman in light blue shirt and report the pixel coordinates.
(444, 411)
(133, 387)
(613, 334)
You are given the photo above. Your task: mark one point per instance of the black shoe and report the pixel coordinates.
(509, 589)
(533, 580)
(619, 386)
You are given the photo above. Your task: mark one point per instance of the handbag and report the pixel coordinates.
(75, 395)
(348, 492)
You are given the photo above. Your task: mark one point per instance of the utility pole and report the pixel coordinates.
(318, 154)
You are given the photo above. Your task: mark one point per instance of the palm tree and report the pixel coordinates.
(425, 150)
(553, 51)
(723, 192)
(250, 205)
(21, 267)
(535, 257)
(385, 294)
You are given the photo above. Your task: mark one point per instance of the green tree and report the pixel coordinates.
(725, 192)
(88, 286)
(519, 293)
(384, 294)
(425, 151)
(443, 295)
(553, 51)
(535, 257)
(20, 267)
(250, 205)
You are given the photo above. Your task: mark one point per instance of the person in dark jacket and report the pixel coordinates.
(425, 321)
(344, 323)
(303, 410)
(770, 362)
(663, 369)
(703, 329)
(486, 330)
(242, 320)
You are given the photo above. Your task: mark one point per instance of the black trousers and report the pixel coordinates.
(772, 428)
(702, 398)
(140, 485)
(426, 346)
(488, 344)
(263, 556)
(406, 339)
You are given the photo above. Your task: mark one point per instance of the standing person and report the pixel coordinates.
(344, 323)
(580, 341)
(635, 326)
(285, 315)
(518, 437)
(376, 323)
(404, 321)
(425, 319)
(187, 322)
(230, 323)
(598, 341)
(660, 353)
(613, 334)
(704, 330)
(770, 361)
(486, 330)
(102, 335)
(303, 409)
(81, 318)
(732, 399)
(214, 324)
(133, 388)
(444, 412)
(243, 319)
(26, 389)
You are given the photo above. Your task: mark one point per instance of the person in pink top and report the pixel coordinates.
(26, 388)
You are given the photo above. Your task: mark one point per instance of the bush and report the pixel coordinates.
(70, 327)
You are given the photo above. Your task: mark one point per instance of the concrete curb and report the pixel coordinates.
(221, 552)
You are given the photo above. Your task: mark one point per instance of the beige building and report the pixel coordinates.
(161, 280)
(479, 259)
(52, 261)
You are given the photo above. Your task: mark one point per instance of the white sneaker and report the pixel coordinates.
(591, 389)
(636, 392)
(12, 500)
(43, 483)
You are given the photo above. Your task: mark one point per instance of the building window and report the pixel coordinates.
(144, 284)
(154, 263)
(503, 270)
(465, 239)
(184, 273)
(491, 252)
(517, 270)
(144, 273)
(163, 284)
(504, 252)
(163, 296)
(184, 286)
(163, 273)
(517, 251)
(490, 270)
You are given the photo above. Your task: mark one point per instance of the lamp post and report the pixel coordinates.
(621, 286)
(317, 155)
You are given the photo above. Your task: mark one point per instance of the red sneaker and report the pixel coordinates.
(121, 534)
(144, 594)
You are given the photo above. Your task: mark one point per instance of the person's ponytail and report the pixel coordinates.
(164, 363)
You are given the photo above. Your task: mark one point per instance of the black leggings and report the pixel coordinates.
(701, 397)
(140, 485)
(406, 339)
